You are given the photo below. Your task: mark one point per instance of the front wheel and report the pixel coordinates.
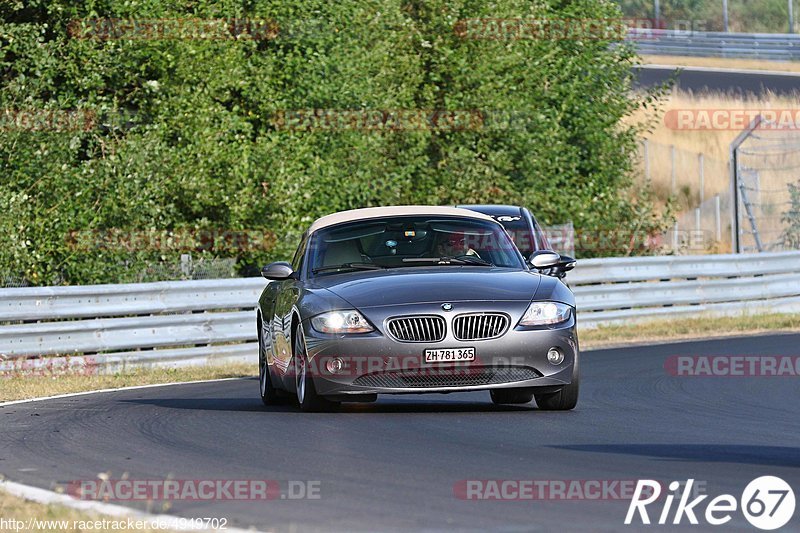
(567, 398)
(307, 396)
(269, 394)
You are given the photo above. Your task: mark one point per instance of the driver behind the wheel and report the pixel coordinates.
(453, 245)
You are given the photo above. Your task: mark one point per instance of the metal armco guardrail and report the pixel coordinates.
(107, 327)
(639, 288)
(101, 328)
(775, 46)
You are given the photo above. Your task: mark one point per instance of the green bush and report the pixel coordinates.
(185, 136)
(791, 218)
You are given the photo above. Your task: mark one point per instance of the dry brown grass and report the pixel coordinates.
(719, 62)
(687, 328)
(23, 387)
(714, 144)
(18, 509)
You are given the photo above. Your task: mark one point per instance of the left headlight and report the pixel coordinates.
(349, 321)
(545, 313)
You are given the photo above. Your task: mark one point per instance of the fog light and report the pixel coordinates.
(555, 356)
(334, 366)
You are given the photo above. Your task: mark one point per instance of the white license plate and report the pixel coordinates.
(449, 355)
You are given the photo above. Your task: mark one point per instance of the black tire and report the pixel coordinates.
(567, 398)
(511, 396)
(269, 394)
(307, 397)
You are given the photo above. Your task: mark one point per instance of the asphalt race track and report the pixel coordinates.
(393, 465)
(725, 81)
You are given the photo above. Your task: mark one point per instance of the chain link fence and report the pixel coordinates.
(767, 177)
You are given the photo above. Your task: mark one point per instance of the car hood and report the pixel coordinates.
(432, 284)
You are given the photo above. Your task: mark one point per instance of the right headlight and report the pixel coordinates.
(545, 313)
(347, 321)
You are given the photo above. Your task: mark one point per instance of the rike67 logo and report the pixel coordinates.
(767, 502)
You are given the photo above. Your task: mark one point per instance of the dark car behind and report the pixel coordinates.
(526, 232)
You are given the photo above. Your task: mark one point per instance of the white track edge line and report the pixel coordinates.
(48, 497)
(117, 389)
(657, 66)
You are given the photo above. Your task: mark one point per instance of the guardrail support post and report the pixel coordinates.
(725, 15)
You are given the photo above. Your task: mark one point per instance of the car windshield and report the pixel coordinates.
(408, 242)
(518, 229)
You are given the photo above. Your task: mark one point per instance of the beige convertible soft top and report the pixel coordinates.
(402, 210)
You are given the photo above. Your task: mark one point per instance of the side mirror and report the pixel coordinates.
(566, 264)
(278, 271)
(542, 259)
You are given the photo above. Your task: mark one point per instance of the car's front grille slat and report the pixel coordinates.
(480, 326)
(423, 328)
(454, 377)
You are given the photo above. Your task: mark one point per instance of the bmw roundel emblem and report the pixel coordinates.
(447, 307)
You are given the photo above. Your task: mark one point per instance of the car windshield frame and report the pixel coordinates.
(419, 230)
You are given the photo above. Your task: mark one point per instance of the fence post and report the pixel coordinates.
(186, 265)
(733, 167)
(675, 238)
(725, 15)
(697, 236)
(701, 162)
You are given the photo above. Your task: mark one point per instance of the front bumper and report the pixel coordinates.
(376, 363)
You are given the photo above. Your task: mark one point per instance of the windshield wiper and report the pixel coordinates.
(349, 266)
(460, 260)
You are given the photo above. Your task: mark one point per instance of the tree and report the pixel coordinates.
(187, 135)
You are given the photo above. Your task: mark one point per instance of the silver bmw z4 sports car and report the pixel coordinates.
(416, 299)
